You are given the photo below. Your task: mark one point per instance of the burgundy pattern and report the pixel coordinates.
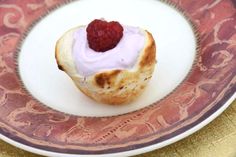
(211, 82)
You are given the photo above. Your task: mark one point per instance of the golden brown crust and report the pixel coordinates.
(149, 56)
(57, 56)
(112, 86)
(104, 78)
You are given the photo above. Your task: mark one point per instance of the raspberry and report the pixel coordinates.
(103, 35)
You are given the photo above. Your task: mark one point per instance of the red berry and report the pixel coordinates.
(103, 35)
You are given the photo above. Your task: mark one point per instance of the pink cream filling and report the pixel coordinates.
(123, 56)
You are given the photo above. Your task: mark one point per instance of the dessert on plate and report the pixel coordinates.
(109, 62)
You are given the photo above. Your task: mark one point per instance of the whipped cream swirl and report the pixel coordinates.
(123, 56)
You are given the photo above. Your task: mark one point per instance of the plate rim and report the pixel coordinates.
(130, 152)
(144, 149)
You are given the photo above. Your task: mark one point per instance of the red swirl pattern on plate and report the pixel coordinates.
(209, 85)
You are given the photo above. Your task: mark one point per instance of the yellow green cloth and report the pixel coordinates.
(218, 139)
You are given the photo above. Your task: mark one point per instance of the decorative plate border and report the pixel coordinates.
(216, 87)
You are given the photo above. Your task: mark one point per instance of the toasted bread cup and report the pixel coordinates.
(116, 86)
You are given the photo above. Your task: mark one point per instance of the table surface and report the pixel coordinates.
(217, 139)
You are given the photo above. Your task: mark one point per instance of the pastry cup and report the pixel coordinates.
(116, 86)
